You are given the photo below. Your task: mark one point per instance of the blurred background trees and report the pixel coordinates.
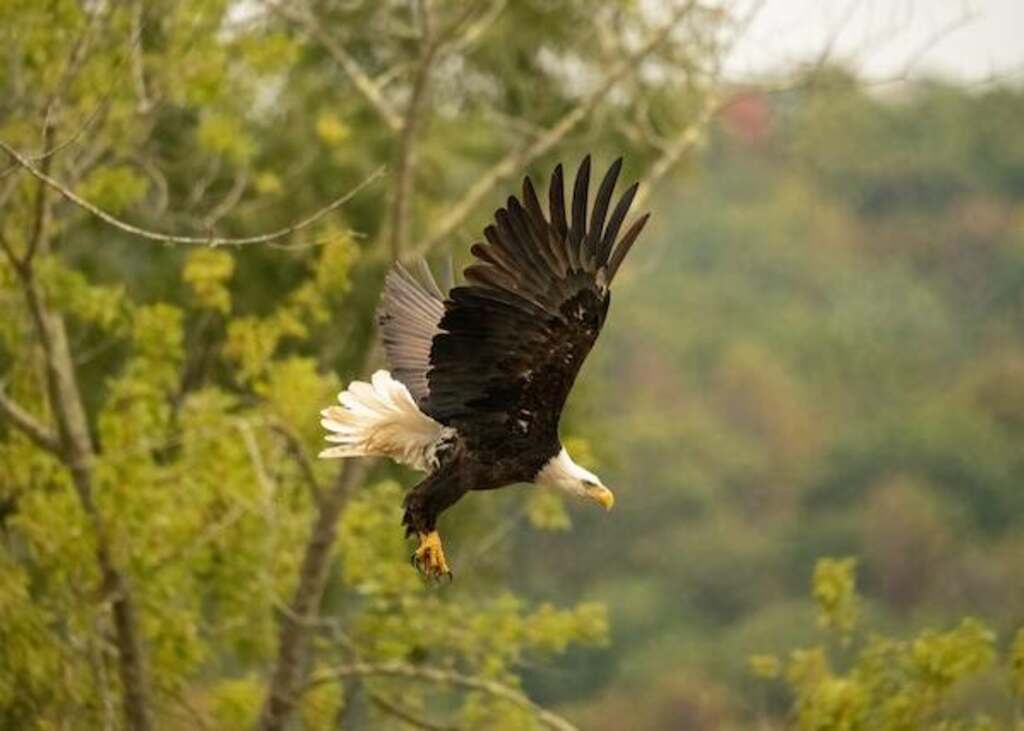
(818, 352)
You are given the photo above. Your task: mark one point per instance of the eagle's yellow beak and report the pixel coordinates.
(601, 495)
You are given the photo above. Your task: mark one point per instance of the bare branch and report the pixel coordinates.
(450, 678)
(405, 167)
(22, 420)
(230, 200)
(360, 79)
(514, 161)
(178, 239)
(304, 608)
(685, 140)
(298, 452)
(431, 46)
(42, 155)
(396, 710)
(145, 103)
(77, 453)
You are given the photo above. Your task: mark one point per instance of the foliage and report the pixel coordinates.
(888, 684)
(174, 495)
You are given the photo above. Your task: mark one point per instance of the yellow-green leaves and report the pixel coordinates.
(374, 553)
(886, 684)
(114, 188)
(207, 272)
(70, 292)
(236, 703)
(546, 510)
(331, 129)
(295, 391)
(252, 342)
(224, 134)
(334, 266)
(835, 594)
(764, 666)
(943, 658)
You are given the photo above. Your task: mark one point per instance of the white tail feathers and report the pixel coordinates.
(380, 418)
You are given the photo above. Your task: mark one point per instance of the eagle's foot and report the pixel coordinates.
(429, 557)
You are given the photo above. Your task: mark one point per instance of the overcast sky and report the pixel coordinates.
(969, 40)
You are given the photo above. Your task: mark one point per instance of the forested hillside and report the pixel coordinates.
(821, 352)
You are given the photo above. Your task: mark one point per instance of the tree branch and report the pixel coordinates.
(394, 709)
(450, 678)
(298, 452)
(175, 238)
(77, 454)
(301, 615)
(684, 141)
(405, 167)
(359, 78)
(27, 425)
(516, 160)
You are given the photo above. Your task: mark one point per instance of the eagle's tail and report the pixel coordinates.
(381, 419)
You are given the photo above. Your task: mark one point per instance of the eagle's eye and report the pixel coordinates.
(590, 483)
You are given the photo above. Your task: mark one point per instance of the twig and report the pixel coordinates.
(77, 453)
(684, 141)
(514, 161)
(298, 452)
(178, 239)
(293, 639)
(145, 103)
(42, 155)
(28, 425)
(450, 678)
(394, 709)
(431, 46)
(230, 200)
(359, 78)
(405, 167)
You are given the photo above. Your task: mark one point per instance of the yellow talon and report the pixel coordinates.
(429, 557)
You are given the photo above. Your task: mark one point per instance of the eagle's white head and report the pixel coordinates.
(562, 473)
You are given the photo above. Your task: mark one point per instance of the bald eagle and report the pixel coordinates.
(479, 376)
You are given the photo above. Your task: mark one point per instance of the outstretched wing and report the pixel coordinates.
(511, 342)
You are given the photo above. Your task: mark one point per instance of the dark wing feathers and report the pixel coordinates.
(626, 243)
(511, 341)
(498, 357)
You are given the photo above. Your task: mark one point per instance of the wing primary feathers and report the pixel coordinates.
(529, 264)
(626, 244)
(615, 223)
(428, 277)
(556, 203)
(601, 201)
(493, 257)
(541, 230)
(535, 245)
(500, 359)
(580, 192)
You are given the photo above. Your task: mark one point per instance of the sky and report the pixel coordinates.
(967, 40)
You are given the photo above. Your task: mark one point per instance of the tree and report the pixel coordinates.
(170, 546)
(887, 683)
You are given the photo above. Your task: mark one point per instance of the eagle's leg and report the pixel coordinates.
(423, 505)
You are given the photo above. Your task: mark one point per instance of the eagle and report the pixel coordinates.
(479, 375)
